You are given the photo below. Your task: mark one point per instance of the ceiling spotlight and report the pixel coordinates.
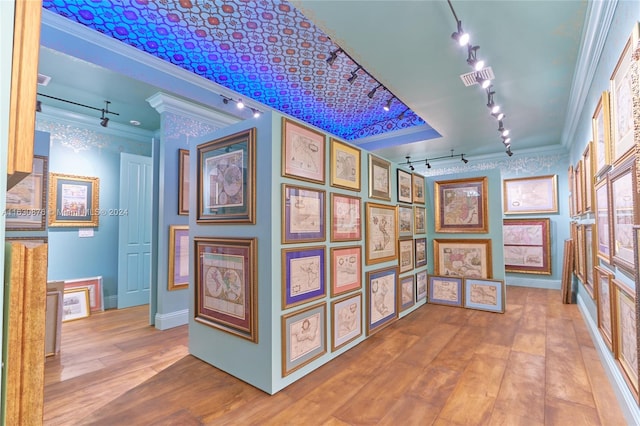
(104, 122)
(508, 151)
(505, 133)
(426, 162)
(225, 100)
(483, 82)
(387, 106)
(460, 36)
(500, 126)
(506, 140)
(333, 56)
(240, 104)
(372, 93)
(354, 75)
(409, 163)
(472, 60)
(256, 113)
(38, 106)
(498, 115)
(401, 116)
(464, 160)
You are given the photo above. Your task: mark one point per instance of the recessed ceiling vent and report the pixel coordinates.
(469, 79)
(43, 80)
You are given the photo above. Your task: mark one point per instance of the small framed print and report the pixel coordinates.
(346, 317)
(624, 213)
(226, 285)
(636, 251)
(75, 304)
(303, 278)
(26, 201)
(603, 219)
(345, 166)
(420, 220)
(404, 187)
(226, 179)
(421, 252)
(604, 299)
(407, 292)
(589, 259)
(572, 192)
(381, 236)
(602, 135)
(421, 285)
(73, 201)
(461, 205)
(405, 255)
(587, 163)
(418, 189)
(579, 195)
(405, 221)
(527, 245)
(345, 218)
(622, 95)
(445, 290)
(531, 195)
(485, 295)
(463, 258)
(183, 182)
(178, 278)
(379, 178)
(346, 269)
(303, 152)
(626, 334)
(304, 337)
(94, 286)
(382, 301)
(303, 211)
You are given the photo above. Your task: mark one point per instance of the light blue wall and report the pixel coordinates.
(79, 150)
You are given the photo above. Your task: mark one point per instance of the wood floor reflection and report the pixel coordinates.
(534, 365)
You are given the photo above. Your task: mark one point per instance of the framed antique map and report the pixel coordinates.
(304, 337)
(445, 290)
(381, 233)
(303, 275)
(407, 292)
(345, 166)
(346, 318)
(461, 205)
(405, 221)
(405, 186)
(303, 152)
(626, 343)
(602, 135)
(303, 214)
(527, 245)
(463, 258)
(346, 221)
(346, 269)
(485, 295)
(602, 208)
(624, 212)
(531, 195)
(382, 307)
(604, 299)
(379, 178)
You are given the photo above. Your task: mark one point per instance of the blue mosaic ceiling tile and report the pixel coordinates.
(264, 50)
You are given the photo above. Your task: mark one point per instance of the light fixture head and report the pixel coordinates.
(500, 126)
(472, 60)
(428, 165)
(372, 93)
(498, 115)
(460, 36)
(333, 56)
(240, 104)
(483, 82)
(38, 106)
(411, 167)
(506, 140)
(464, 160)
(387, 106)
(256, 113)
(495, 109)
(225, 101)
(401, 116)
(505, 133)
(354, 75)
(104, 122)
(508, 151)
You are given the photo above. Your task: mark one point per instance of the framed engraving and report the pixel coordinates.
(381, 233)
(405, 187)
(626, 343)
(178, 277)
(74, 201)
(587, 163)
(418, 189)
(603, 219)
(602, 135)
(226, 179)
(527, 245)
(462, 258)
(303, 152)
(624, 213)
(345, 218)
(75, 304)
(345, 166)
(445, 290)
(420, 220)
(485, 295)
(382, 307)
(461, 205)
(421, 252)
(303, 211)
(421, 285)
(531, 195)
(407, 292)
(405, 255)
(346, 317)
(304, 337)
(379, 178)
(346, 269)
(303, 275)
(405, 221)
(603, 280)
(226, 285)
(26, 208)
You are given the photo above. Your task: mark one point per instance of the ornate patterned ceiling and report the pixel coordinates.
(264, 50)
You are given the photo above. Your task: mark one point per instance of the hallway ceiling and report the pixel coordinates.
(275, 53)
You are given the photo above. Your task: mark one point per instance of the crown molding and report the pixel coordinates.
(163, 102)
(595, 32)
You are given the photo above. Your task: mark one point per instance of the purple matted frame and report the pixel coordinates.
(303, 267)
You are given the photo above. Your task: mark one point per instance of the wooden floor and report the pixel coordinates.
(534, 365)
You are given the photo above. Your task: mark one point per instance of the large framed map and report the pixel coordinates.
(461, 205)
(463, 258)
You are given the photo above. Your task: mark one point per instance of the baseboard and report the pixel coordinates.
(111, 302)
(627, 402)
(533, 282)
(172, 319)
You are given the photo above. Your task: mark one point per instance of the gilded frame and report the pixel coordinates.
(304, 337)
(379, 178)
(407, 293)
(94, 286)
(602, 207)
(346, 320)
(178, 275)
(346, 269)
(461, 205)
(579, 199)
(226, 285)
(572, 192)
(420, 220)
(405, 220)
(622, 94)
(74, 201)
(381, 233)
(405, 255)
(303, 275)
(604, 299)
(587, 164)
(303, 214)
(345, 165)
(527, 245)
(382, 301)
(421, 252)
(624, 212)
(303, 152)
(183, 182)
(589, 260)
(463, 258)
(226, 178)
(538, 194)
(601, 126)
(418, 191)
(75, 304)
(484, 295)
(580, 256)
(26, 202)
(626, 334)
(405, 186)
(446, 290)
(421, 285)
(346, 217)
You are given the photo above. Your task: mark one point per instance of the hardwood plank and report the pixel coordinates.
(561, 412)
(505, 418)
(531, 343)
(410, 410)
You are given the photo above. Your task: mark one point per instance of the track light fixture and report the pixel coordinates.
(401, 116)
(372, 93)
(472, 60)
(490, 103)
(506, 140)
(333, 56)
(256, 113)
(427, 161)
(498, 115)
(483, 82)
(104, 120)
(409, 163)
(354, 75)
(464, 160)
(460, 36)
(38, 106)
(508, 151)
(387, 106)
(240, 105)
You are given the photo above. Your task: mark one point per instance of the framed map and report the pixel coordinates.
(485, 295)
(527, 245)
(304, 337)
(345, 166)
(461, 205)
(462, 258)
(379, 178)
(532, 195)
(303, 278)
(381, 236)
(303, 214)
(444, 290)
(346, 317)
(303, 152)
(382, 307)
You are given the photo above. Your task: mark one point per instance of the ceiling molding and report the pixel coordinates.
(103, 42)
(596, 28)
(163, 102)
